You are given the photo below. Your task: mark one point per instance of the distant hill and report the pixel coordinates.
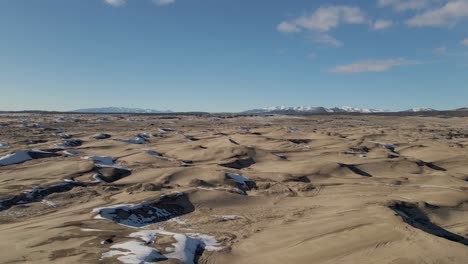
(111, 110)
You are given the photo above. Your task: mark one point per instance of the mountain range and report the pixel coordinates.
(266, 110)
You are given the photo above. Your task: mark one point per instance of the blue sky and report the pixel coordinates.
(226, 55)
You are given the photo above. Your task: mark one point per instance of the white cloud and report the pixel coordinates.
(163, 2)
(440, 50)
(311, 56)
(287, 27)
(465, 42)
(447, 15)
(404, 5)
(371, 66)
(327, 40)
(324, 19)
(382, 24)
(115, 3)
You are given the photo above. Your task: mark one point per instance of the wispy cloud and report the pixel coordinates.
(381, 24)
(163, 2)
(326, 40)
(464, 42)
(405, 5)
(324, 19)
(118, 3)
(311, 56)
(440, 50)
(448, 14)
(372, 65)
(287, 27)
(115, 3)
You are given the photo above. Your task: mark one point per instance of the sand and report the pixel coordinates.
(233, 189)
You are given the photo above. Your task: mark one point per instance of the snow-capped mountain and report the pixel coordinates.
(311, 110)
(420, 109)
(120, 110)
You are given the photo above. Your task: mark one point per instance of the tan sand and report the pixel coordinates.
(330, 191)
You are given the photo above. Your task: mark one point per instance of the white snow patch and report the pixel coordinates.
(184, 249)
(49, 203)
(230, 217)
(177, 220)
(134, 220)
(4, 145)
(91, 230)
(134, 252)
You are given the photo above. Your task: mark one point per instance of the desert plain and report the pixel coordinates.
(78, 188)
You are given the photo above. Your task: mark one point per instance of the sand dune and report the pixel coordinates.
(223, 189)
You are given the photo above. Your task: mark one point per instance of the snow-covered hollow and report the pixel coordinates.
(137, 140)
(242, 182)
(15, 158)
(70, 143)
(185, 248)
(37, 194)
(166, 130)
(146, 213)
(21, 156)
(104, 160)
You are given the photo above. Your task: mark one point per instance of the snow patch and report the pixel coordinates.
(185, 249)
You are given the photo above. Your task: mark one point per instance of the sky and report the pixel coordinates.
(233, 55)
